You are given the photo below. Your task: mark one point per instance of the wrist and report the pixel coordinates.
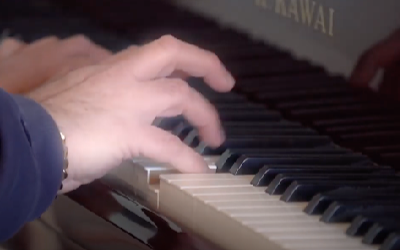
(66, 137)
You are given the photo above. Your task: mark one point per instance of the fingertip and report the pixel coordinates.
(230, 80)
(222, 83)
(200, 166)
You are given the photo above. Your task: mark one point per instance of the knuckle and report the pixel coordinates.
(214, 59)
(48, 39)
(169, 44)
(80, 40)
(178, 88)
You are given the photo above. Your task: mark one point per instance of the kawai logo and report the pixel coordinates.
(306, 12)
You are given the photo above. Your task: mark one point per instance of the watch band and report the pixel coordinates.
(65, 166)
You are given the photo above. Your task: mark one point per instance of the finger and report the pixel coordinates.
(163, 147)
(80, 45)
(45, 42)
(174, 97)
(10, 46)
(379, 56)
(166, 55)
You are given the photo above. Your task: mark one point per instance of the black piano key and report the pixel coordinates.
(374, 138)
(320, 102)
(362, 224)
(230, 156)
(263, 142)
(362, 128)
(183, 128)
(269, 172)
(250, 115)
(268, 67)
(251, 164)
(346, 121)
(304, 190)
(363, 110)
(225, 106)
(373, 150)
(299, 94)
(282, 181)
(381, 230)
(392, 242)
(392, 159)
(346, 211)
(320, 202)
(250, 52)
(281, 124)
(256, 85)
(256, 132)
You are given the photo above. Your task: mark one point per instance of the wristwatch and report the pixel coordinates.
(65, 165)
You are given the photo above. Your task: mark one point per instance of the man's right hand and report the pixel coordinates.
(106, 110)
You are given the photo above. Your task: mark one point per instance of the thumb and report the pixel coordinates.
(379, 56)
(164, 147)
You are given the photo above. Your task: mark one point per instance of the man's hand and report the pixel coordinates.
(106, 110)
(24, 67)
(384, 55)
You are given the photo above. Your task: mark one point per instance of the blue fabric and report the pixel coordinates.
(31, 161)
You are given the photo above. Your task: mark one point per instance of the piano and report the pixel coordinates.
(310, 161)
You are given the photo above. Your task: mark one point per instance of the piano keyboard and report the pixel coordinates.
(278, 185)
(307, 164)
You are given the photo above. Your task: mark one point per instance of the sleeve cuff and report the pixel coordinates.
(47, 148)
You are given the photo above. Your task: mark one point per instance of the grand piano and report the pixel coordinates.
(310, 161)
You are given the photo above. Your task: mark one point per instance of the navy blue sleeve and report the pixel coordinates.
(31, 161)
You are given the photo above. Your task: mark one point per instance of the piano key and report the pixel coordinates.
(230, 156)
(282, 181)
(269, 172)
(251, 52)
(265, 67)
(266, 217)
(346, 211)
(250, 115)
(362, 128)
(321, 102)
(256, 85)
(327, 91)
(255, 132)
(251, 164)
(392, 242)
(320, 202)
(263, 142)
(381, 230)
(360, 225)
(305, 190)
(367, 139)
(357, 110)
(184, 128)
(343, 121)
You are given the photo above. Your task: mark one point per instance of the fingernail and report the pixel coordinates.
(231, 81)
